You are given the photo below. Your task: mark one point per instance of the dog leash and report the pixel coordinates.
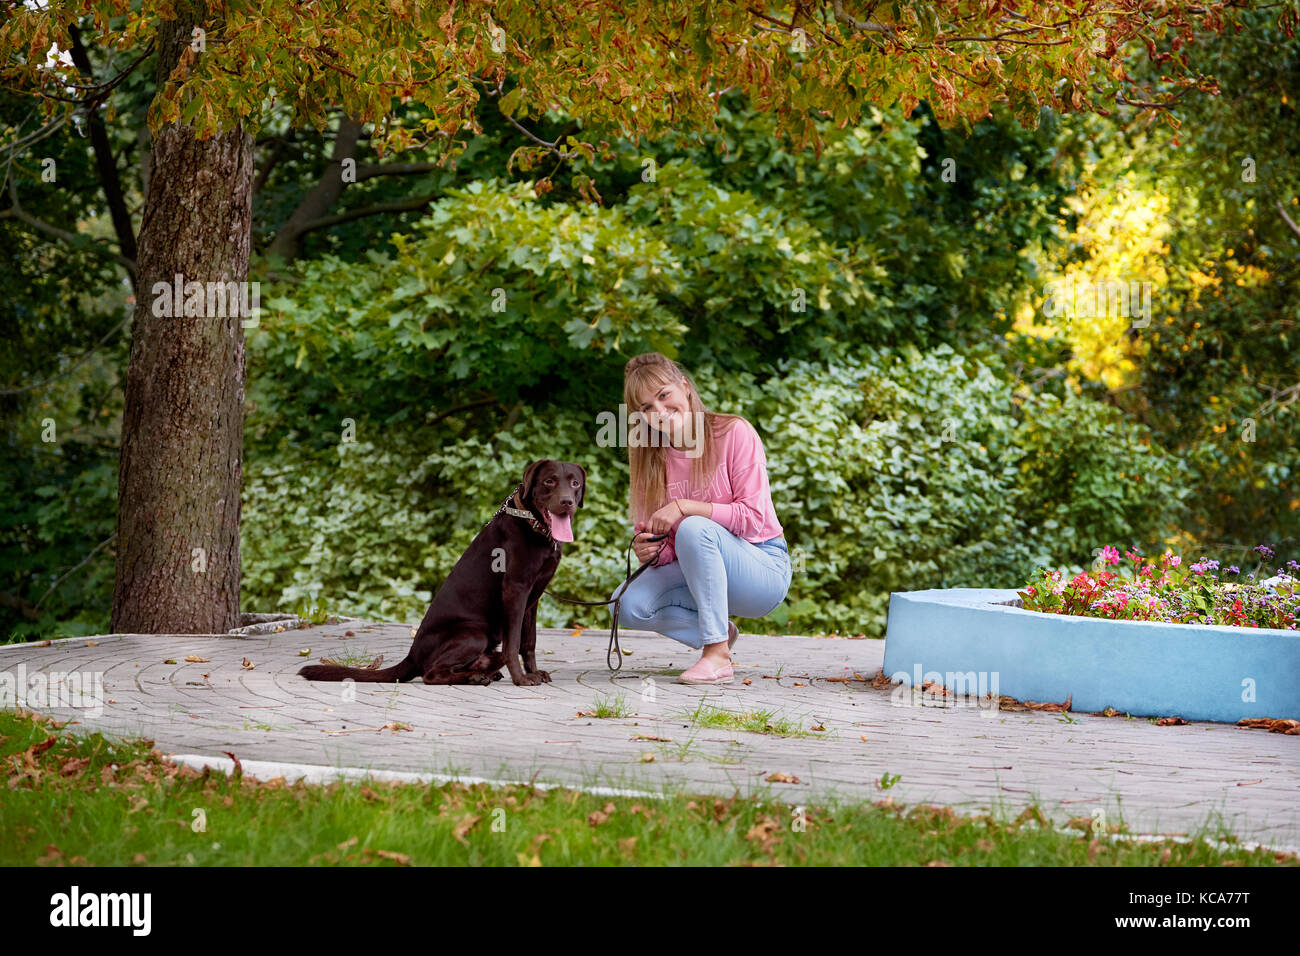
(614, 650)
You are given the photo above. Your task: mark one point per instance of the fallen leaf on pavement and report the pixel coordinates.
(195, 659)
(1050, 706)
(783, 778)
(247, 664)
(1269, 724)
(1170, 722)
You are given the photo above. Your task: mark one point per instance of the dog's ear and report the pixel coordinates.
(582, 489)
(530, 476)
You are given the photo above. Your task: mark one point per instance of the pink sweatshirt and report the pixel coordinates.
(739, 492)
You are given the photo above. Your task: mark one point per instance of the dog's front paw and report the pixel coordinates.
(526, 680)
(544, 675)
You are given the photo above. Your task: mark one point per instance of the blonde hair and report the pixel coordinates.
(648, 464)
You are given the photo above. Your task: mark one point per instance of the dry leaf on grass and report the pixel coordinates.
(764, 833)
(74, 766)
(597, 817)
(401, 859)
(464, 827)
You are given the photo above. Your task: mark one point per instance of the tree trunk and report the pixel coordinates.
(182, 430)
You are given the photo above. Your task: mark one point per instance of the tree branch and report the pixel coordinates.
(81, 360)
(869, 26)
(104, 161)
(79, 566)
(17, 212)
(1287, 219)
(408, 205)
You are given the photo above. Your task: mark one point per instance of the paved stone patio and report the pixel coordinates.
(1157, 779)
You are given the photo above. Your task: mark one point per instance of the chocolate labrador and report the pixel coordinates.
(490, 597)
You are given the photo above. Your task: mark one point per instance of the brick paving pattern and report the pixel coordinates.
(1157, 779)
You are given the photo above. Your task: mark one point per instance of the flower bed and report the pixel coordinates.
(973, 640)
(1164, 590)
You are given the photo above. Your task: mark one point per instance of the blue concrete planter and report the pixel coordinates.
(1197, 672)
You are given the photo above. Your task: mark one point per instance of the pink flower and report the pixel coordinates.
(1110, 555)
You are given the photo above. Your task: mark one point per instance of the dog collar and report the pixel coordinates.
(539, 526)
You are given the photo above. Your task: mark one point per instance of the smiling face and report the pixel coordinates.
(666, 409)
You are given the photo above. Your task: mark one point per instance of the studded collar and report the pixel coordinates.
(509, 507)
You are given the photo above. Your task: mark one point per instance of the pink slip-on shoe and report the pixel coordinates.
(703, 672)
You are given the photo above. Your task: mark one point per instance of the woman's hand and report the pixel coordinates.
(659, 523)
(662, 521)
(644, 549)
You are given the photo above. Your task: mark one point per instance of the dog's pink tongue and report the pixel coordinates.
(561, 526)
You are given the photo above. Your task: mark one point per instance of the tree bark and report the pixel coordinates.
(182, 432)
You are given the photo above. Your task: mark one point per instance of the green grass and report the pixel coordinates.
(90, 800)
(351, 658)
(754, 721)
(610, 707)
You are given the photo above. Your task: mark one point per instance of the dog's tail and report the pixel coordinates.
(398, 672)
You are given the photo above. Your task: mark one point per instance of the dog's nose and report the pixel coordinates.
(566, 501)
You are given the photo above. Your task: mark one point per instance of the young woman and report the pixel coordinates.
(701, 479)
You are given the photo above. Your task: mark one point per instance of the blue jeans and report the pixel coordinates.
(716, 575)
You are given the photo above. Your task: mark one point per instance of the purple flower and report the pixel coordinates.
(1265, 551)
(1233, 569)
